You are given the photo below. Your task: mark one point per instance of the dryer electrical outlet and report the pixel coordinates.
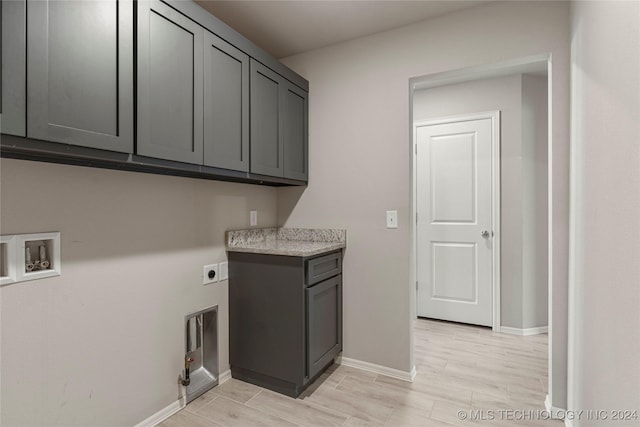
(210, 274)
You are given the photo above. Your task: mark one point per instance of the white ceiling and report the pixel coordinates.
(285, 28)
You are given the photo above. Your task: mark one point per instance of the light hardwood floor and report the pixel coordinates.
(498, 379)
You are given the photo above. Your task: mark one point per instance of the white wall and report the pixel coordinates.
(604, 333)
(523, 186)
(103, 344)
(360, 159)
(535, 242)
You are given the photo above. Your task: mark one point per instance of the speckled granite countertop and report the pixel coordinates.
(301, 242)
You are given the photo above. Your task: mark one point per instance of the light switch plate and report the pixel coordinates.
(392, 219)
(253, 218)
(224, 270)
(205, 274)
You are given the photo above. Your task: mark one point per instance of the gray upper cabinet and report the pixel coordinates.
(80, 73)
(279, 135)
(295, 130)
(226, 105)
(267, 154)
(158, 86)
(170, 84)
(14, 63)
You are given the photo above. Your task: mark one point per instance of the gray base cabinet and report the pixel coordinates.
(285, 320)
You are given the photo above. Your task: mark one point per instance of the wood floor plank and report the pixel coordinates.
(298, 411)
(233, 414)
(236, 390)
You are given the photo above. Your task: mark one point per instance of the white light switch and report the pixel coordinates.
(392, 219)
(253, 218)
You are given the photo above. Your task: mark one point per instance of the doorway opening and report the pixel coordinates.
(452, 275)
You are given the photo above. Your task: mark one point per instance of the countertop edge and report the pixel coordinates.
(285, 252)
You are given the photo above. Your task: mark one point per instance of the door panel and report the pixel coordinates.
(295, 133)
(455, 261)
(14, 67)
(80, 73)
(453, 178)
(454, 272)
(170, 84)
(226, 105)
(266, 139)
(324, 317)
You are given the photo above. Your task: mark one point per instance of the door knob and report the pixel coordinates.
(485, 234)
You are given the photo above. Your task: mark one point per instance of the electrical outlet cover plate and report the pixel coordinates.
(224, 270)
(205, 274)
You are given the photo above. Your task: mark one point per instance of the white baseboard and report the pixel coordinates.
(378, 369)
(162, 414)
(524, 332)
(224, 377)
(174, 407)
(556, 413)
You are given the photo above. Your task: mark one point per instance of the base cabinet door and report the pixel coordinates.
(80, 73)
(324, 323)
(170, 84)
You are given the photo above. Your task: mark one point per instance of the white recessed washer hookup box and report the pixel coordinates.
(7, 260)
(29, 257)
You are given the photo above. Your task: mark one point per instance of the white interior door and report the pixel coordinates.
(454, 239)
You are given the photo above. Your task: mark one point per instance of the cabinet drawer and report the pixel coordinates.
(321, 268)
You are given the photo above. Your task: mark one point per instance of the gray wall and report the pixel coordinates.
(535, 241)
(103, 344)
(523, 202)
(604, 332)
(360, 159)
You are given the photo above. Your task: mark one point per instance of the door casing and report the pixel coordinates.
(494, 116)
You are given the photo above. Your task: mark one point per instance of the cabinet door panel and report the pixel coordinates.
(226, 105)
(295, 132)
(267, 155)
(170, 84)
(324, 327)
(80, 73)
(14, 67)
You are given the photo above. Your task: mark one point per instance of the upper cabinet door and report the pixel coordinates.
(226, 105)
(80, 73)
(170, 84)
(267, 154)
(295, 130)
(14, 67)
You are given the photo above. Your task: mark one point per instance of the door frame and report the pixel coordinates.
(494, 116)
